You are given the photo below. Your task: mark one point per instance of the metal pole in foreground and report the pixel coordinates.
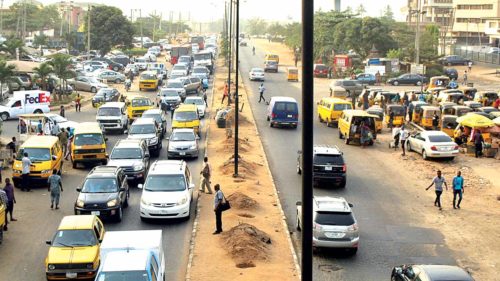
(230, 40)
(236, 99)
(307, 136)
(88, 31)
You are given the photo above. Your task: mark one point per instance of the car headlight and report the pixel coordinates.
(80, 203)
(46, 171)
(119, 121)
(182, 201)
(51, 267)
(90, 265)
(17, 171)
(153, 140)
(112, 203)
(145, 202)
(192, 146)
(138, 167)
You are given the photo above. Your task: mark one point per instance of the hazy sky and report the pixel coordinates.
(206, 10)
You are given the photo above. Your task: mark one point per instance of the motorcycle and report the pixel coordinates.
(128, 84)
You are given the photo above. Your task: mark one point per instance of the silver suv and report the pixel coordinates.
(334, 224)
(132, 155)
(183, 143)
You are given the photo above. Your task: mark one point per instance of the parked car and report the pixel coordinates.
(85, 83)
(452, 73)
(183, 143)
(160, 118)
(20, 83)
(115, 66)
(343, 88)
(432, 144)
(199, 102)
(111, 76)
(104, 193)
(429, 273)
(334, 224)
(91, 66)
(256, 73)
(121, 59)
(320, 70)
(408, 79)
(366, 78)
(132, 156)
(131, 67)
(328, 165)
(105, 95)
(271, 65)
(453, 60)
(149, 130)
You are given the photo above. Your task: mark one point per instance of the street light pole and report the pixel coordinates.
(417, 36)
(142, 39)
(230, 42)
(236, 98)
(307, 136)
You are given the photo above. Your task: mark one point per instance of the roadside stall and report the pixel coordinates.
(467, 124)
(487, 98)
(495, 138)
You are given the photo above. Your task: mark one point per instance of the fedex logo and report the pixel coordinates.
(41, 98)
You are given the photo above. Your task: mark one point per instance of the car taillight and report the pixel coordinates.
(316, 226)
(344, 168)
(434, 148)
(353, 227)
(109, 67)
(456, 147)
(295, 116)
(273, 115)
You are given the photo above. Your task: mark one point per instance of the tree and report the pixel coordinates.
(108, 28)
(6, 73)
(11, 45)
(324, 26)
(43, 71)
(256, 26)
(360, 10)
(276, 29)
(429, 42)
(388, 13)
(61, 67)
(40, 40)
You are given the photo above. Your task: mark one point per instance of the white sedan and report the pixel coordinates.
(199, 102)
(256, 74)
(432, 144)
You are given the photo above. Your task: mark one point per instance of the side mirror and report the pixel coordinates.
(140, 186)
(48, 242)
(191, 186)
(351, 205)
(122, 189)
(54, 157)
(79, 189)
(298, 203)
(146, 155)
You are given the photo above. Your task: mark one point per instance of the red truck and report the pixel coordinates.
(200, 40)
(178, 51)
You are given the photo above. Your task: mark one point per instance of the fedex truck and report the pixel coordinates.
(24, 102)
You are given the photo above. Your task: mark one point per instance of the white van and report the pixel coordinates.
(113, 116)
(132, 255)
(25, 102)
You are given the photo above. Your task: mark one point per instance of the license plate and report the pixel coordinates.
(334, 234)
(328, 168)
(71, 275)
(95, 213)
(182, 153)
(289, 116)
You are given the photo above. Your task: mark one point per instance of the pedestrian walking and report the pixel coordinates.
(4, 201)
(465, 78)
(55, 188)
(438, 182)
(253, 50)
(378, 78)
(63, 139)
(403, 135)
(218, 200)
(78, 104)
(22, 128)
(62, 111)
(410, 111)
(478, 143)
(391, 119)
(39, 127)
(261, 92)
(11, 199)
(47, 129)
(205, 173)
(25, 175)
(68, 145)
(469, 65)
(435, 121)
(458, 189)
(225, 94)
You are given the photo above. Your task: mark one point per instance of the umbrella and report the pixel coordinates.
(497, 121)
(475, 121)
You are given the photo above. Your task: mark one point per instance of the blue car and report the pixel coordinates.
(365, 78)
(283, 111)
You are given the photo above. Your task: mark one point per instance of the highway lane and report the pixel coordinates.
(388, 236)
(24, 250)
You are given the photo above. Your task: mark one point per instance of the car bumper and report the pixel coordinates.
(34, 180)
(151, 212)
(111, 126)
(257, 78)
(62, 275)
(154, 147)
(352, 243)
(182, 153)
(329, 178)
(440, 154)
(136, 175)
(109, 212)
(284, 123)
(88, 158)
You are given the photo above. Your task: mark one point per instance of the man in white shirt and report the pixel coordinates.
(438, 182)
(55, 129)
(403, 135)
(25, 175)
(47, 129)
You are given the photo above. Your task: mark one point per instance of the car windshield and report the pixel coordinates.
(257, 70)
(74, 238)
(440, 139)
(88, 139)
(148, 76)
(194, 101)
(185, 115)
(34, 154)
(179, 67)
(174, 85)
(199, 70)
(321, 67)
(100, 185)
(123, 275)
(334, 218)
(328, 159)
(155, 116)
(141, 102)
(142, 129)
(182, 136)
(165, 183)
(126, 153)
(184, 60)
(169, 93)
(205, 56)
(108, 111)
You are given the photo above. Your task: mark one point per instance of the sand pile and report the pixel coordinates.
(245, 168)
(239, 200)
(247, 244)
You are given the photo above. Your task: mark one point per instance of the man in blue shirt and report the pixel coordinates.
(458, 189)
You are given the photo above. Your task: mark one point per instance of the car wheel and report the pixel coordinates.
(4, 116)
(74, 165)
(38, 111)
(93, 90)
(419, 83)
(118, 81)
(268, 119)
(342, 184)
(115, 68)
(271, 124)
(395, 83)
(424, 155)
(449, 64)
(328, 123)
(353, 251)
(408, 146)
(297, 223)
(319, 119)
(119, 216)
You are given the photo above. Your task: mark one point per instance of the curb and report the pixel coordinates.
(197, 217)
(276, 193)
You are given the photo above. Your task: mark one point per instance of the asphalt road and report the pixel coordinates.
(387, 235)
(24, 250)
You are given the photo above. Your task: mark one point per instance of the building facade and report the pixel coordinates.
(473, 19)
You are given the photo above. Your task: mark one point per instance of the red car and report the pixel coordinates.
(320, 70)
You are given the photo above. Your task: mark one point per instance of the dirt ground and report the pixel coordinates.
(253, 245)
(472, 232)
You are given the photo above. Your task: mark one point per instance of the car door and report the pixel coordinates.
(122, 179)
(17, 108)
(418, 142)
(196, 82)
(82, 83)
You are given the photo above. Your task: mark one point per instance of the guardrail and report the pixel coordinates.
(476, 56)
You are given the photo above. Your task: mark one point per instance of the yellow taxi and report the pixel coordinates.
(329, 110)
(75, 248)
(350, 123)
(292, 74)
(272, 57)
(136, 105)
(88, 145)
(3, 218)
(148, 81)
(186, 116)
(45, 153)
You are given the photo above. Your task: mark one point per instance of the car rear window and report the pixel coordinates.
(321, 67)
(349, 83)
(334, 218)
(341, 106)
(328, 159)
(286, 106)
(440, 139)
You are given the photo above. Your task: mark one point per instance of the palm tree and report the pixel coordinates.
(61, 67)
(43, 71)
(11, 45)
(6, 73)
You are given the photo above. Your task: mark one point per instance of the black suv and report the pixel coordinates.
(113, 65)
(105, 95)
(328, 165)
(104, 193)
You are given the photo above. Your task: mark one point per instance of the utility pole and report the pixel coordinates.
(236, 98)
(307, 137)
(230, 50)
(142, 35)
(417, 36)
(88, 30)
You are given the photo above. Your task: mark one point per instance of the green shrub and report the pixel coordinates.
(136, 52)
